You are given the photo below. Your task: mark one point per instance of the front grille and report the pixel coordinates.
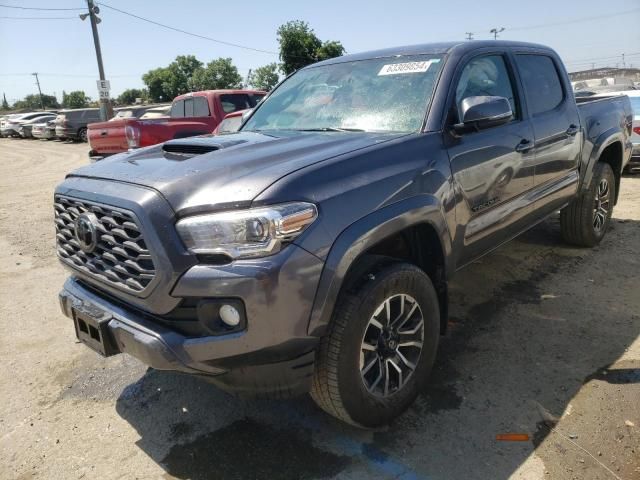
(120, 258)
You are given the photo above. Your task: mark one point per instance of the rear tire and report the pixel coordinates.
(368, 374)
(585, 220)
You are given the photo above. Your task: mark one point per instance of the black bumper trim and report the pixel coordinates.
(284, 370)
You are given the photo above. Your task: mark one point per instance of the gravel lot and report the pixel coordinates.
(540, 333)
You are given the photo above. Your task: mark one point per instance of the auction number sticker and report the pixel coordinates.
(408, 67)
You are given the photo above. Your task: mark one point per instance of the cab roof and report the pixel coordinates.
(441, 48)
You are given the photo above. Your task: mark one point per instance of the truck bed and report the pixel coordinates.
(600, 116)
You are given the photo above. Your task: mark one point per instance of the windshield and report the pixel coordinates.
(123, 114)
(382, 95)
(156, 113)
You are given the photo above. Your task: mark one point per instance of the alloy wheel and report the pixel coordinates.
(391, 345)
(601, 205)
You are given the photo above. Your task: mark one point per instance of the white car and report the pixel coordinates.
(11, 124)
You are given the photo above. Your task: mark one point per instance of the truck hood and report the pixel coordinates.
(228, 171)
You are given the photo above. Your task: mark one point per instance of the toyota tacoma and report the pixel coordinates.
(311, 250)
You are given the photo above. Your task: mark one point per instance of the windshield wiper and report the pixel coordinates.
(328, 129)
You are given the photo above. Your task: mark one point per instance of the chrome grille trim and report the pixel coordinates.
(121, 258)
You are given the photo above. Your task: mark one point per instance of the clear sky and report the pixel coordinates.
(582, 31)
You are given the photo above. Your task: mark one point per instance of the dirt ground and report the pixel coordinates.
(544, 340)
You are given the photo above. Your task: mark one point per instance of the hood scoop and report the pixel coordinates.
(189, 149)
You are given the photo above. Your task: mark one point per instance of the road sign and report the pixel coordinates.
(103, 85)
(104, 94)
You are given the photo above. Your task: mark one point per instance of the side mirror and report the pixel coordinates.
(483, 112)
(246, 114)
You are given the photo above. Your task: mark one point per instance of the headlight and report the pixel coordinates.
(255, 232)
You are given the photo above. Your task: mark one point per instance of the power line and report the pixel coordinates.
(39, 18)
(39, 8)
(578, 20)
(71, 75)
(588, 61)
(203, 37)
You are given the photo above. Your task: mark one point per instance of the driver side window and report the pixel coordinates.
(487, 75)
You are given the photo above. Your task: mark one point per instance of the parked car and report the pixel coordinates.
(72, 124)
(231, 123)
(191, 114)
(134, 111)
(312, 250)
(12, 123)
(634, 97)
(25, 127)
(157, 112)
(44, 130)
(3, 121)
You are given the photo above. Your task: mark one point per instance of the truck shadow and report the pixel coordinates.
(522, 326)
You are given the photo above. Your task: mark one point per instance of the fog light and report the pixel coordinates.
(230, 315)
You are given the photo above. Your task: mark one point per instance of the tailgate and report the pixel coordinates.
(108, 137)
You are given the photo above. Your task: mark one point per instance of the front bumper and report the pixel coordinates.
(272, 356)
(25, 132)
(8, 132)
(43, 133)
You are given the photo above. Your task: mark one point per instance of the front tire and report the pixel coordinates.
(82, 135)
(380, 346)
(585, 220)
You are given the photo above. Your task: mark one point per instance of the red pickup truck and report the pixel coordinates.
(191, 114)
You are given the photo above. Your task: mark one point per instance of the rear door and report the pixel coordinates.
(493, 167)
(554, 117)
(195, 116)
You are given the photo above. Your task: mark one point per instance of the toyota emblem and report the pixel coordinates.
(86, 232)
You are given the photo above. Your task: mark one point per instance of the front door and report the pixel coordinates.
(492, 168)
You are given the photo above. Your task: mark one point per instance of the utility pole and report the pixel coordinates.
(624, 65)
(248, 79)
(469, 35)
(106, 110)
(39, 91)
(496, 31)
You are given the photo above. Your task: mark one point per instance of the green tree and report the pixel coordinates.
(32, 102)
(264, 78)
(218, 74)
(5, 104)
(75, 99)
(330, 49)
(166, 83)
(129, 96)
(299, 46)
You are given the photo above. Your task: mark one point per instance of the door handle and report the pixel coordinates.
(572, 130)
(524, 146)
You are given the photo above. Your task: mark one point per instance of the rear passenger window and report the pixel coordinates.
(235, 101)
(200, 107)
(486, 76)
(255, 98)
(542, 83)
(177, 109)
(188, 107)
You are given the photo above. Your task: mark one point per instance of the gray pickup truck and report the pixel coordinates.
(311, 251)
